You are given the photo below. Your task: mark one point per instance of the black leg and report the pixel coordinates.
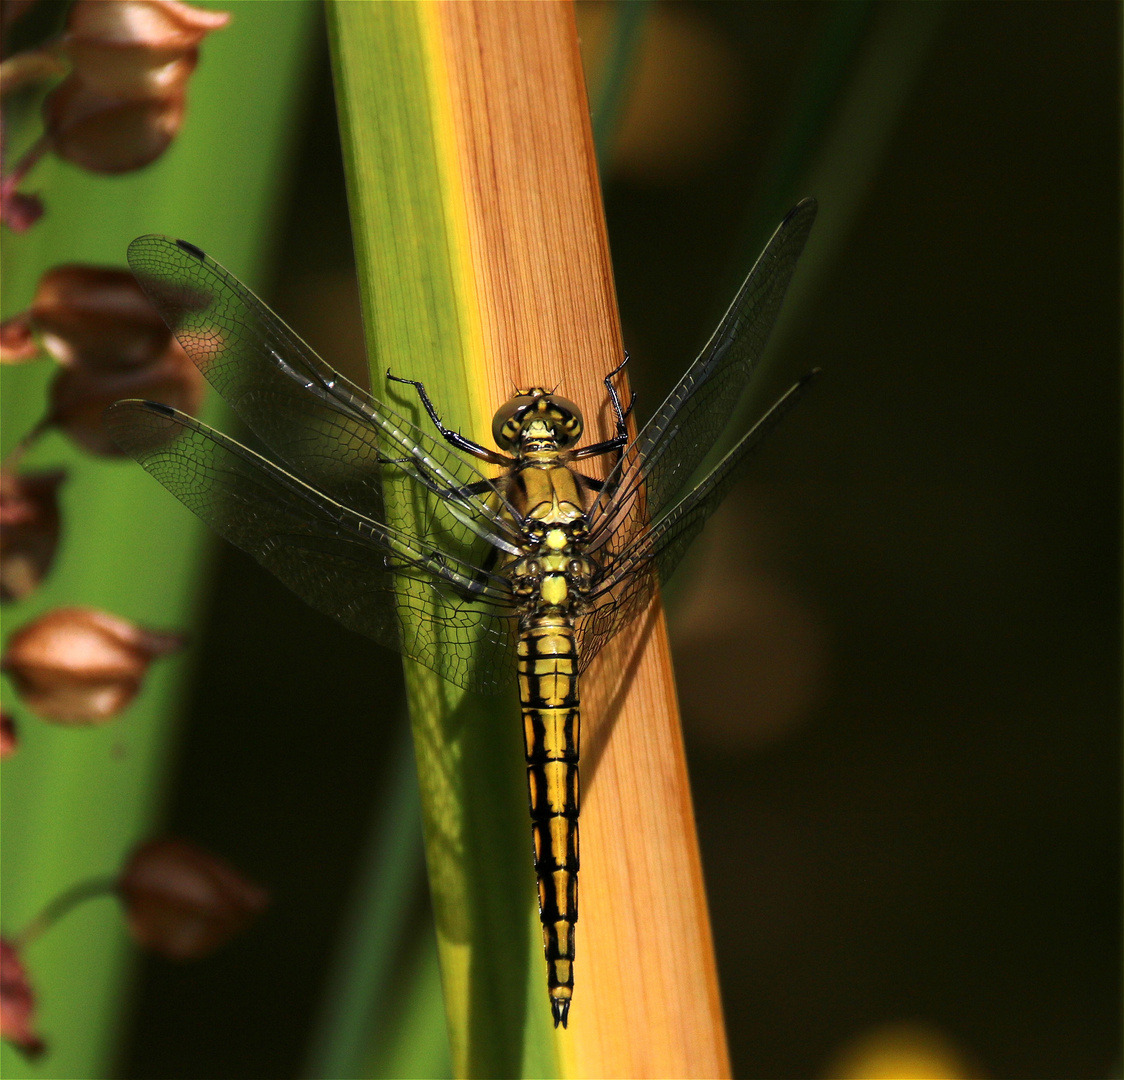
(479, 487)
(453, 438)
(479, 585)
(619, 441)
(622, 416)
(419, 472)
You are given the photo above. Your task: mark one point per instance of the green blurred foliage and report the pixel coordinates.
(75, 801)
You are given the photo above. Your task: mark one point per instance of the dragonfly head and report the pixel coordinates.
(538, 415)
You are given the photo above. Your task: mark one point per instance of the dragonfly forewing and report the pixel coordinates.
(383, 582)
(327, 430)
(673, 443)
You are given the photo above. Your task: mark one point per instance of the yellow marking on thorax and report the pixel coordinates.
(554, 590)
(551, 493)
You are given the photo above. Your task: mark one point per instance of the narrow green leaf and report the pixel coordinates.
(420, 320)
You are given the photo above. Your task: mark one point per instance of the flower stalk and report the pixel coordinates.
(62, 905)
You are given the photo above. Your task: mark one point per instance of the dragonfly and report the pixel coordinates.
(515, 566)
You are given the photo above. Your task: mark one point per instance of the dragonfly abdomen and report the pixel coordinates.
(548, 691)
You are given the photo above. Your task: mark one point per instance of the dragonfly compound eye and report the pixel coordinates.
(508, 420)
(562, 416)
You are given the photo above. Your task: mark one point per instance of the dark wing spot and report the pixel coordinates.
(191, 249)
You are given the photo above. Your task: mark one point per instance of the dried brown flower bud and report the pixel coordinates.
(80, 665)
(29, 530)
(9, 737)
(17, 1003)
(136, 48)
(123, 102)
(79, 396)
(98, 324)
(28, 68)
(19, 211)
(110, 135)
(183, 902)
(97, 317)
(153, 24)
(17, 341)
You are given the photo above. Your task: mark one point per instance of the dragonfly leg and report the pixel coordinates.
(479, 487)
(421, 474)
(453, 438)
(481, 584)
(619, 441)
(614, 397)
(416, 468)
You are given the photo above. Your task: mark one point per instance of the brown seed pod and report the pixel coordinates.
(9, 737)
(17, 341)
(17, 1004)
(96, 317)
(124, 100)
(80, 665)
(29, 530)
(183, 902)
(79, 396)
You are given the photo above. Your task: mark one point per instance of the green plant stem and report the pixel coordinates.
(469, 759)
(62, 905)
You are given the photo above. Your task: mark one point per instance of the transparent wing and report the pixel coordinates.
(385, 583)
(323, 427)
(672, 445)
(626, 582)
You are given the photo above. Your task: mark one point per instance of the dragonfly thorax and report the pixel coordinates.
(552, 580)
(554, 568)
(556, 535)
(536, 420)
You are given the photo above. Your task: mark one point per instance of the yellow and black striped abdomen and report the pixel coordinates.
(548, 690)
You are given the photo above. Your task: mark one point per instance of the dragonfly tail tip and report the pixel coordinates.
(560, 1007)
